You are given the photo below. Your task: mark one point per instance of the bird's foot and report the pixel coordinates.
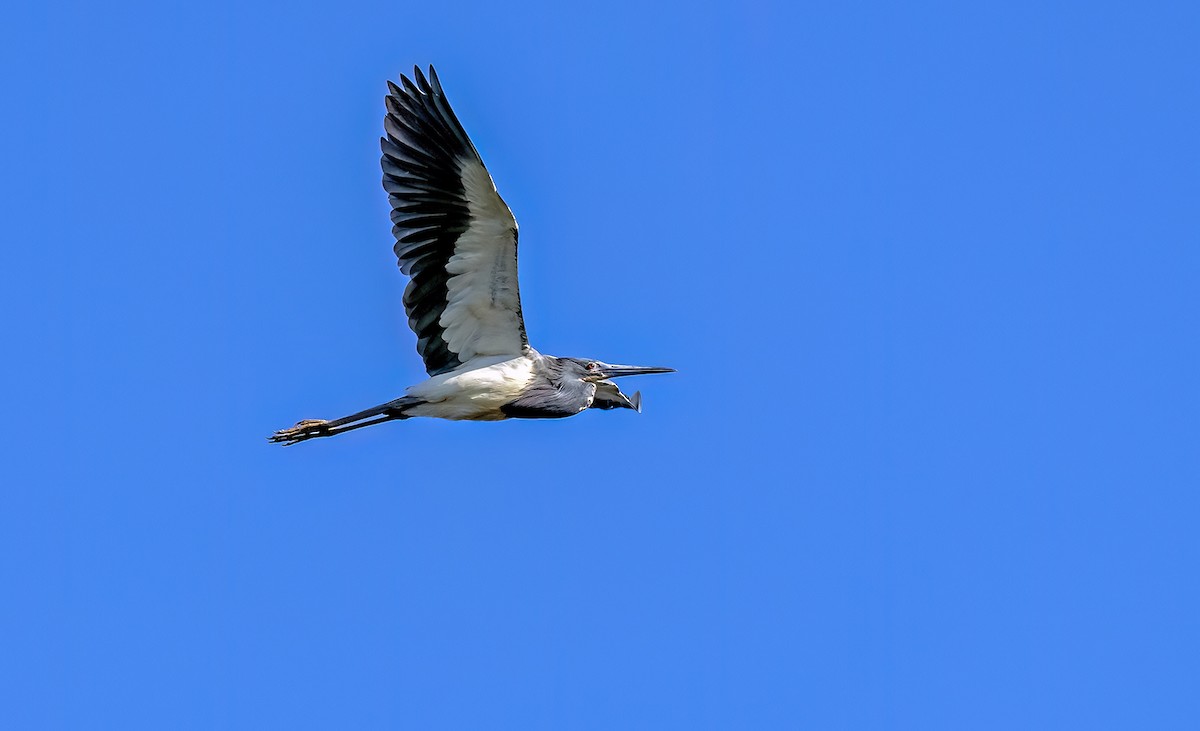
(307, 429)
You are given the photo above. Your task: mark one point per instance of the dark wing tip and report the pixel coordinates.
(410, 89)
(419, 84)
(422, 82)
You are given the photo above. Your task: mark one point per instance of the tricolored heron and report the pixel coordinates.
(457, 241)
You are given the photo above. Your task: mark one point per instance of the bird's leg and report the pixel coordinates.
(313, 428)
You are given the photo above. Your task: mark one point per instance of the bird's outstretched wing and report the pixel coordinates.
(455, 237)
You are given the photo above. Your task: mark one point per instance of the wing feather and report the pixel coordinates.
(455, 237)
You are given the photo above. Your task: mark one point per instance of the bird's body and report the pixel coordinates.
(476, 391)
(457, 241)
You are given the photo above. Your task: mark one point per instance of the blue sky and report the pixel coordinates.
(928, 272)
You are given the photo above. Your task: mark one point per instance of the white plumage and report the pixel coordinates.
(483, 308)
(476, 391)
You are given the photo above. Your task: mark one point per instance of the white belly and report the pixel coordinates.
(475, 390)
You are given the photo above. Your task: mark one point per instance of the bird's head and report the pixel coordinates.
(598, 370)
(607, 394)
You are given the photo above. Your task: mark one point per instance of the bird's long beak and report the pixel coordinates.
(616, 371)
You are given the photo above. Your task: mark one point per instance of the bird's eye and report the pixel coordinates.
(593, 366)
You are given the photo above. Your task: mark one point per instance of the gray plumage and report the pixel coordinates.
(456, 240)
(564, 387)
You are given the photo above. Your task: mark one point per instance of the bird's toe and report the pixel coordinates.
(306, 429)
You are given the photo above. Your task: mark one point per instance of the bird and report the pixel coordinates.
(456, 241)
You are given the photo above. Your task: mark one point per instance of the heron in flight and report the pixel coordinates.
(457, 242)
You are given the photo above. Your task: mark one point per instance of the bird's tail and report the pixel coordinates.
(313, 428)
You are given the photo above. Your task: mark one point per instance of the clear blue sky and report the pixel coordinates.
(928, 272)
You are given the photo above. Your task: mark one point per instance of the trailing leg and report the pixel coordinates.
(313, 428)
